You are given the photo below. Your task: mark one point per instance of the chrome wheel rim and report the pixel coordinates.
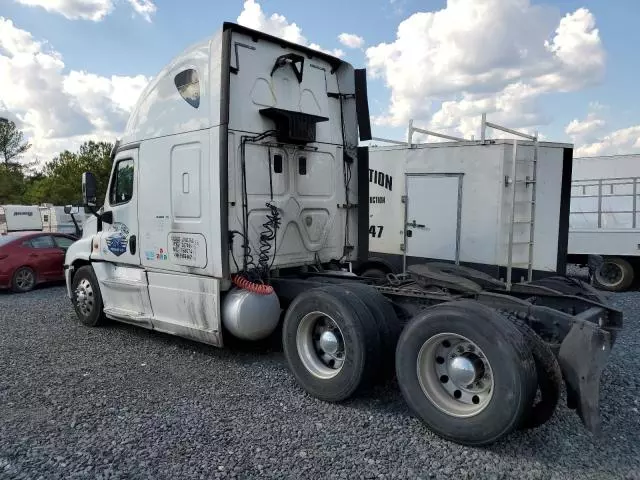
(320, 345)
(455, 375)
(25, 279)
(609, 274)
(84, 297)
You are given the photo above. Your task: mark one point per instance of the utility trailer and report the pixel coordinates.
(19, 218)
(213, 229)
(604, 228)
(497, 205)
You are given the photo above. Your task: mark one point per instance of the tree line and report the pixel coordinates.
(58, 181)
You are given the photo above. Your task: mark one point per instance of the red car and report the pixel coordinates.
(30, 258)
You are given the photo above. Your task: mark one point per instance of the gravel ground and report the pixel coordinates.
(122, 402)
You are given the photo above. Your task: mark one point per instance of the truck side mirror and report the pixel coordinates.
(89, 189)
(67, 209)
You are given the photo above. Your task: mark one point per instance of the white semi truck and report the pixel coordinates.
(239, 199)
(605, 218)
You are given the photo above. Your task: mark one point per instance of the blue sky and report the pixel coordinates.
(579, 88)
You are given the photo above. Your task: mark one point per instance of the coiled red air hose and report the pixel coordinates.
(259, 288)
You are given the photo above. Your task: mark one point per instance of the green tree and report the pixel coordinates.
(12, 184)
(61, 178)
(12, 144)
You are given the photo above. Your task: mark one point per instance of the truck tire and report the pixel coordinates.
(331, 344)
(429, 275)
(387, 322)
(615, 274)
(86, 297)
(547, 371)
(484, 280)
(572, 286)
(375, 273)
(466, 371)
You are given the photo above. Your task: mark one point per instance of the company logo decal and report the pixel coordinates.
(381, 179)
(21, 214)
(117, 241)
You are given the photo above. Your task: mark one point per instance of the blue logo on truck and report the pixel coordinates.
(117, 241)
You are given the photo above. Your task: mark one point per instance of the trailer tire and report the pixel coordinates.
(386, 319)
(548, 373)
(343, 311)
(512, 375)
(624, 270)
(86, 297)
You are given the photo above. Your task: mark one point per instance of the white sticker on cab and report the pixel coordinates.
(188, 249)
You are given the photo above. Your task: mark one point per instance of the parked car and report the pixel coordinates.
(30, 258)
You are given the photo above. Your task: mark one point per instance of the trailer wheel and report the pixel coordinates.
(466, 371)
(86, 297)
(386, 319)
(548, 373)
(331, 346)
(614, 274)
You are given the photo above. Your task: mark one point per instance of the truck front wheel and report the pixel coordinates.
(86, 297)
(466, 371)
(331, 344)
(614, 274)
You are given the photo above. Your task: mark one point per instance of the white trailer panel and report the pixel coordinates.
(459, 198)
(604, 206)
(20, 218)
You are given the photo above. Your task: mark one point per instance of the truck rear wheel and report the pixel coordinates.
(614, 274)
(331, 344)
(548, 373)
(466, 371)
(386, 319)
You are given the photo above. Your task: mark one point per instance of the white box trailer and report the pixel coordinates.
(463, 202)
(605, 221)
(20, 218)
(55, 219)
(239, 198)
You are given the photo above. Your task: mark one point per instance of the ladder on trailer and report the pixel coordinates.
(525, 184)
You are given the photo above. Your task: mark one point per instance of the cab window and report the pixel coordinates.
(122, 186)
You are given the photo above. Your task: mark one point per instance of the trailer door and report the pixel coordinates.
(434, 204)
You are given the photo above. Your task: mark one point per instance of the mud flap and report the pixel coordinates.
(582, 357)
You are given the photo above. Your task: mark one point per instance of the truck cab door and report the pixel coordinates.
(123, 281)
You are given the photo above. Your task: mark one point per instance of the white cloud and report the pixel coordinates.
(623, 141)
(351, 40)
(55, 107)
(591, 138)
(584, 128)
(497, 56)
(144, 8)
(94, 10)
(252, 16)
